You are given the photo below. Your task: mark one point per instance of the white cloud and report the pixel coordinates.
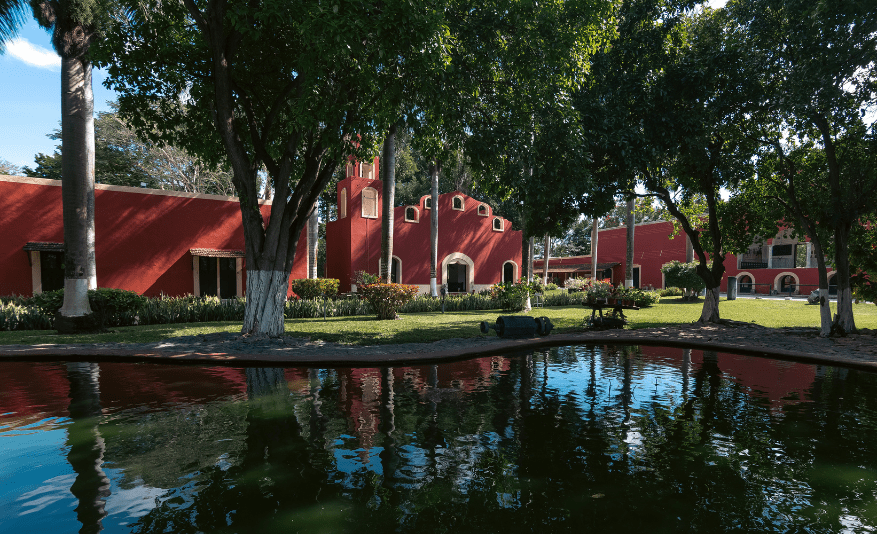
(33, 55)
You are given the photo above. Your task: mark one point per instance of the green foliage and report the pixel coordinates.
(670, 292)
(315, 287)
(684, 275)
(387, 299)
(116, 307)
(363, 278)
(513, 296)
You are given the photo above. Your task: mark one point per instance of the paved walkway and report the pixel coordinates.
(800, 344)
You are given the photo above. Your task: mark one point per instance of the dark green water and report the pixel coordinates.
(575, 439)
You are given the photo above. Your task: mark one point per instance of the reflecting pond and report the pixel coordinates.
(606, 439)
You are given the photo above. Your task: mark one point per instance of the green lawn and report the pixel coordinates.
(427, 327)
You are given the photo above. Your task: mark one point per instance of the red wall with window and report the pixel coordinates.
(142, 236)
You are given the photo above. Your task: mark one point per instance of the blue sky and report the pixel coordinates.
(30, 94)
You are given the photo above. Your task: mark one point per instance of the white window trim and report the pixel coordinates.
(486, 210)
(501, 224)
(362, 207)
(342, 204)
(416, 211)
(462, 203)
(426, 203)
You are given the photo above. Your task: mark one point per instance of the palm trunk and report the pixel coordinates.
(389, 194)
(631, 221)
(433, 234)
(545, 256)
(594, 249)
(531, 245)
(77, 195)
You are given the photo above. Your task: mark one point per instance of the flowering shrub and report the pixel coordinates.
(386, 299)
(599, 289)
(513, 296)
(362, 278)
(577, 284)
(312, 288)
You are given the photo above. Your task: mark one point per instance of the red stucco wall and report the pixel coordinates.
(142, 236)
(354, 243)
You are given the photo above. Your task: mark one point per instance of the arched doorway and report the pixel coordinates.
(458, 272)
(788, 284)
(745, 284)
(509, 272)
(395, 271)
(457, 276)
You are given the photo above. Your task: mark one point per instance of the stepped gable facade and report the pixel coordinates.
(476, 248)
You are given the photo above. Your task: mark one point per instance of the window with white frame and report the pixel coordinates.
(458, 204)
(412, 214)
(497, 224)
(370, 203)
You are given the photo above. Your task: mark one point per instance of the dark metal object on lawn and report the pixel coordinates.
(518, 326)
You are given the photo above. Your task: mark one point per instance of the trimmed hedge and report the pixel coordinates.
(387, 299)
(311, 288)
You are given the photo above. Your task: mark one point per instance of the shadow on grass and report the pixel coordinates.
(678, 300)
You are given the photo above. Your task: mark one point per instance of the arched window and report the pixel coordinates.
(370, 203)
(427, 203)
(787, 284)
(497, 224)
(457, 203)
(342, 204)
(412, 214)
(483, 210)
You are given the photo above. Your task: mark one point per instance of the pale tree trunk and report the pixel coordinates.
(710, 311)
(531, 246)
(545, 256)
(433, 229)
(594, 249)
(313, 241)
(843, 323)
(266, 294)
(389, 194)
(631, 223)
(77, 195)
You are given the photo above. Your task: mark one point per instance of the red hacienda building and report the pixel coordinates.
(149, 241)
(476, 248)
(778, 265)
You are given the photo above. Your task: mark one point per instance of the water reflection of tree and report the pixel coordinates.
(522, 455)
(86, 456)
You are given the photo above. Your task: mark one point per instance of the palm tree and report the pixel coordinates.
(631, 222)
(12, 16)
(434, 170)
(389, 196)
(73, 24)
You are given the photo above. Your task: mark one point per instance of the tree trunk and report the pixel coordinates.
(844, 323)
(594, 248)
(266, 294)
(545, 256)
(313, 241)
(710, 311)
(631, 223)
(531, 245)
(77, 193)
(433, 229)
(389, 194)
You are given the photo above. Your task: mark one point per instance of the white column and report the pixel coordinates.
(770, 256)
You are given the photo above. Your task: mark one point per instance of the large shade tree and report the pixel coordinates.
(818, 70)
(292, 87)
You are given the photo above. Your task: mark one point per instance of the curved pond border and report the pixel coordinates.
(331, 355)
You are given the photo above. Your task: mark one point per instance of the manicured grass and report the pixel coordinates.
(427, 327)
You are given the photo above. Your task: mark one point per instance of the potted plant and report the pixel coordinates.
(599, 290)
